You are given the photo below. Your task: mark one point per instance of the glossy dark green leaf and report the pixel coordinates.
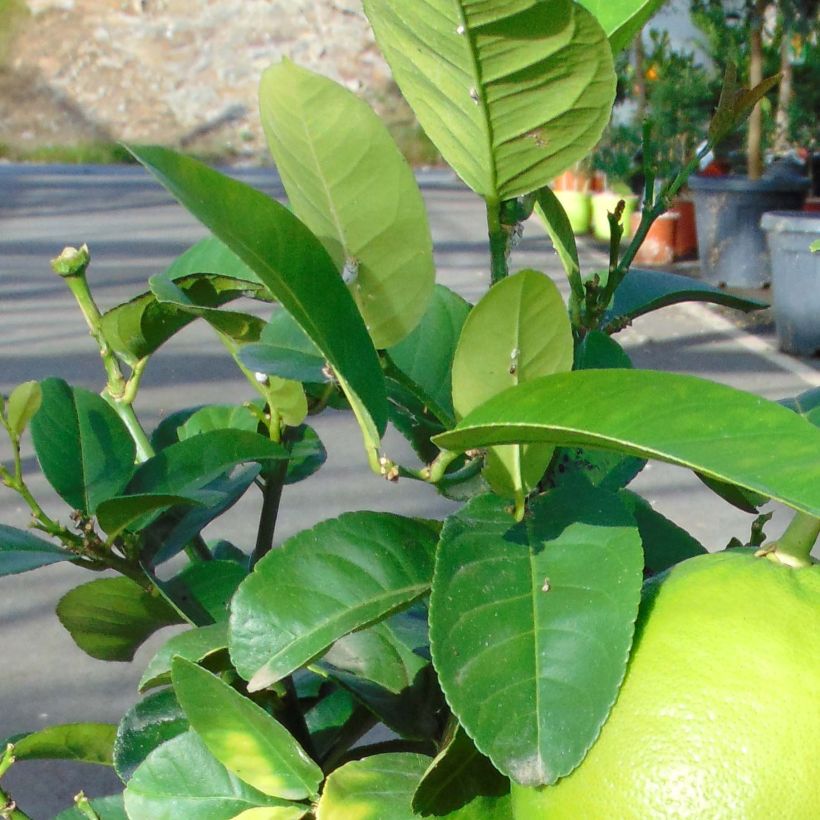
(193, 645)
(330, 148)
(410, 415)
(531, 625)
(375, 788)
(556, 223)
(337, 577)
(511, 93)
(84, 448)
(719, 431)
(106, 808)
(124, 511)
(23, 402)
(293, 265)
(20, 551)
(622, 19)
(334, 716)
(209, 256)
(739, 497)
(243, 737)
(110, 618)
(213, 583)
(664, 542)
(182, 779)
(643, 291)
(218, 417)
(147, 724)
(193, 463)
(425, 357)
(307, 454)
(85, 742)
(806, 404)
(461, 783)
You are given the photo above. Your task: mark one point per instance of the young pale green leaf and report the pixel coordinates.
(719, 431)
(556, 223)
(146, 725)
(531, 625)
(23, 403)
(519, 331)
(374, 788)
(348, 182)
(511, 93)
(110, 618)
(194, 645)
(425, 357)
(20, 551)
(84, 448)
(105, 808)
(85, 742)
(815, 246)
(295, 267)
(191, 464)
(664, 542)
(182, 779)
(643, 291)
(341, 575)
(735, 103)
(622, 19)
(462, 784)
(243, 737)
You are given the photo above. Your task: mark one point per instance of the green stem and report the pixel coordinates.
(271, 498)
(499, 268)
(84, 807)
(794, 547)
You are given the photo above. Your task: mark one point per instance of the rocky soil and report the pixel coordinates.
(179, 72)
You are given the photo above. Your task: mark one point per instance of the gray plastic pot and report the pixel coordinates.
(795, 279)
(731, 245)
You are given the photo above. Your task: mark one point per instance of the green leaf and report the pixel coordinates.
(425, 357)
(517, 332)
(243, 737)
(85, 742)
(181, 779)
(335, 716)
(512, 94)
(21, 551)
(23, 403)
(531, 625)
(106, 808)
(307, 454)
(410, 415)
(337, 577)
(719, 431)
(643, 291)
(815, 246)
(193, 463)
(462, 783)
(84, 448)
(664, 542)
(556, 223)
(194, 645)
(212, 584)
(375, 788)
(347, 181)
(208, 256)
(622, 19)
(735, 103)
(111, 617)
(124, 511)
(146, 725)
(273, 813)
(218, 417)
(807, 404)
(739, 497)
(293, 265)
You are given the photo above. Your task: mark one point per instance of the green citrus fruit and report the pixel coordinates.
(719, 712)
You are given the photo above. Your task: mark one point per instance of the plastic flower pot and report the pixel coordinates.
(658, 248)
(606, 202)
(686, 234)
(795, 279)
(578, 206)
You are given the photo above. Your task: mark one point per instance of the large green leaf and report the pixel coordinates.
(243, 737)
(86, 742)
(337, 577)
(20, 551)
(531, 625)
(193, 645)
(213, 583)
(511, 93)
(622, 19)
(425, 357)
(146, 725)
(719, 431)
(519, 331)
(376, 788)
(110, 618)
(293, 265)
(182, 779)
(348, 182)
(127, 511)
(84, 448)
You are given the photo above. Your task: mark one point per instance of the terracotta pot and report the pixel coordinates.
(686, 233)
(579, 209)
(812, 204)
(571, 181)
(659, 246)
(604, 203)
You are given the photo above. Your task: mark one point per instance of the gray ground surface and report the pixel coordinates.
(134, 230)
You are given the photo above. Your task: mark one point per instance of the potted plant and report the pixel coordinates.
(573, 190)
(472, 638)
(732, 247)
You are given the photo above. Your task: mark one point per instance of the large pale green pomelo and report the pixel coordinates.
(719, 713)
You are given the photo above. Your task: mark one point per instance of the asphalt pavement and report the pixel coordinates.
(134, 230)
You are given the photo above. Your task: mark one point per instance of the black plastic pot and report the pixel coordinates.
(731, 244)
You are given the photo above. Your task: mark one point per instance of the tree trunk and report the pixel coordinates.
(640, 77)
(754, 151)
(784, 94)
